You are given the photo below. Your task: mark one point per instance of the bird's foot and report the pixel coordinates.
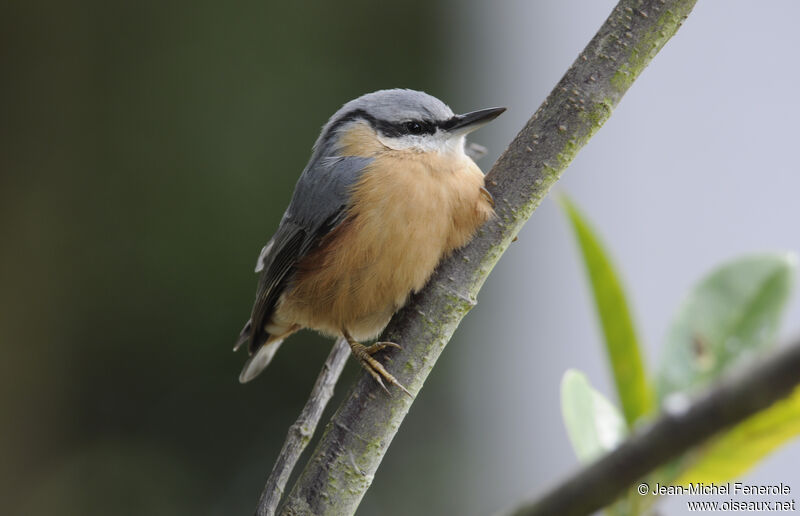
(378, 346)
(488, 196)
(374, 368)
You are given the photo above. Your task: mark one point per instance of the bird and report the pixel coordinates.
(389, 191)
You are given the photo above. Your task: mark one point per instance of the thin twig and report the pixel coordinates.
(342, 466)
(301, 432)
(732, 400)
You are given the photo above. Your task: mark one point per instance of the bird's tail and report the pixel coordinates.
(261, 358)
(244, 335)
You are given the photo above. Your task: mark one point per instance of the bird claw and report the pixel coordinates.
(378, 346)
(373, 367)
(488, 196)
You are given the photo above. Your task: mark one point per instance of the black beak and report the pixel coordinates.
(464, 124)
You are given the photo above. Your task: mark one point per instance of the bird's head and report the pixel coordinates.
(399, 120)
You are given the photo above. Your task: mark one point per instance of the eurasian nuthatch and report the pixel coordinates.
(388, 192)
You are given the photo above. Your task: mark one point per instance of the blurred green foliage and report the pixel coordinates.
(148, 152)
(621, 342)
(742, 447)
(594, 424)
(730, 316)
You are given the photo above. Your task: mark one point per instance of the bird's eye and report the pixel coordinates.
(414, 127)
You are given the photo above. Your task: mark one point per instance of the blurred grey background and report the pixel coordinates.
(148, 150)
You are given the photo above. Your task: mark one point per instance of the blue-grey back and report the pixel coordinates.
(318, 205)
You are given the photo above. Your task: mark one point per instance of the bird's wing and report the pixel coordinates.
(318, 205)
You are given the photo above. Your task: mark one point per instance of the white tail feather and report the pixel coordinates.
(256, 363)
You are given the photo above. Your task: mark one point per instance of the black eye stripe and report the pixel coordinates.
(449, 123)
(412, 127)
(419, 127)
(391, 129)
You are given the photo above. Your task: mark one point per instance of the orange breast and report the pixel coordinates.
(407, 212)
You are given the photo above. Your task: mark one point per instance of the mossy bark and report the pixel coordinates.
(343, 465)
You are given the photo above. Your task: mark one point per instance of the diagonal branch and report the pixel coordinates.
(302, 430)
(731, 401)
(343, 464)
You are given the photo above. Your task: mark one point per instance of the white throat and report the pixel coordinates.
(440, 141)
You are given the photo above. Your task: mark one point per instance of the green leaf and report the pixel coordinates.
(731, 314)
(739, 449)
(622, 345)
(593, 423)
